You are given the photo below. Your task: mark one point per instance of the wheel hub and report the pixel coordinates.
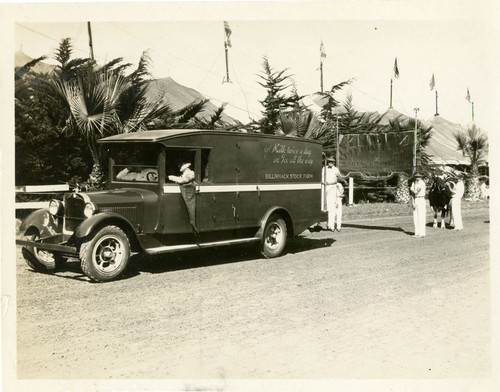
(108, 255)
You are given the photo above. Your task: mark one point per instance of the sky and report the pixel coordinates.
(458, 45)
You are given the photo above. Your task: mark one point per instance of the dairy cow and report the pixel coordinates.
(440, 200)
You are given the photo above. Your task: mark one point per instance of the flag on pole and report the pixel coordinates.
(432, 84)
(468, 95)
(228, 32)
(322, 51)
(396, 70)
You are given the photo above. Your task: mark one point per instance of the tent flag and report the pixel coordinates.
(322, 51)
(432, 84)
(396, 70)
(228, 32)
(468, 95)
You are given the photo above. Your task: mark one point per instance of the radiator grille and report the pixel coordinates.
(73, 211)
(128, 212)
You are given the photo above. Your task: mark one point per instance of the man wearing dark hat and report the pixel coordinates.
(417, 192)
(330, 179)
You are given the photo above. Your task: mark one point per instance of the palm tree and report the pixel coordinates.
(474, 145)
(104, 101)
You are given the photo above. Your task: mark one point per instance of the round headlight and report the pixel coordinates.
(89, 210)
(54, 206)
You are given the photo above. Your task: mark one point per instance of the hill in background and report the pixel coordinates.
(179, 96)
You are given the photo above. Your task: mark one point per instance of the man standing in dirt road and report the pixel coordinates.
(417, 192)
(330, 178)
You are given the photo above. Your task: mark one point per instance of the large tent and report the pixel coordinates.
(443, 147)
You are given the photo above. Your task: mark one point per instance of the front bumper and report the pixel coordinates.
(58, 243)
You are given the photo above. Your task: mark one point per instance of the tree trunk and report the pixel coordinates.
(97, 178)
(473, 191)
(402, 190)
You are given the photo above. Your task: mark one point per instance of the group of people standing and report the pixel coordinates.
(417, 193)
(334, 193)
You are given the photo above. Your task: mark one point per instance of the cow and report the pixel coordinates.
(440, 200)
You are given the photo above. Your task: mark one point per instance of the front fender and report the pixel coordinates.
(43, 221)
(86, 227)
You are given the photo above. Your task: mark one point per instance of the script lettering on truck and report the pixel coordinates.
(289, 161)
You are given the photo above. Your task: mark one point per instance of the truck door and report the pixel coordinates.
(216, 203)
(247, 178)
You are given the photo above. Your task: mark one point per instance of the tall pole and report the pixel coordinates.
(390, 105)
(415, 143)
(337, 152)
(437, 113)
(472, 111)
(90, 41)
(227, 64)
(321, 75)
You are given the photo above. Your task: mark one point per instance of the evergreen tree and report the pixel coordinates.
(276, 84)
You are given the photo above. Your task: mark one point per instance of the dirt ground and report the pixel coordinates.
(367, 302)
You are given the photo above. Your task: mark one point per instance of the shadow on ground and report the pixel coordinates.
(372, 227)
(183, 260)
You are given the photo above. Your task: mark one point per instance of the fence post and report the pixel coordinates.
(351, 191)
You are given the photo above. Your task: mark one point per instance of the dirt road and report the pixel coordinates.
(368, 302)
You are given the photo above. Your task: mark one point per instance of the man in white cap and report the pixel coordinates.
(330, 179)
(417, 192)
(187, 175)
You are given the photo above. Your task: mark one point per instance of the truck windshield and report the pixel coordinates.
(134, 162)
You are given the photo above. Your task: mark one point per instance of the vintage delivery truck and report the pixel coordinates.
(246, 188)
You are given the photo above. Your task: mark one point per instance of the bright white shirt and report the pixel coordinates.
(458, 190)
(418, 188)
(331, 175)
(186, 177)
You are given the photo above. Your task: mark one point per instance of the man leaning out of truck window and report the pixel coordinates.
(187, 175)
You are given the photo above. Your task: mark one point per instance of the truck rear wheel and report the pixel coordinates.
(38, 259)
(274, 238)
(106, 254)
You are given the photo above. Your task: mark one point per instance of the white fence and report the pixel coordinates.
(38, 189)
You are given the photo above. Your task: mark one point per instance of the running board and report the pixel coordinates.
(175, 248)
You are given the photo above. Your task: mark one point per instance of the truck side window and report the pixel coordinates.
(175, 158)
(206, 169)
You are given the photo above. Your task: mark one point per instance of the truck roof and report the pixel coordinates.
(163, 134)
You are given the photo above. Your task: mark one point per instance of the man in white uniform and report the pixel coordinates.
(330, 179)
(187, 175)
(457, 192)
(417, 192)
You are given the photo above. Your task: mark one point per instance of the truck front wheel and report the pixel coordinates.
(38, 259)
(274, 238)
(105, 255)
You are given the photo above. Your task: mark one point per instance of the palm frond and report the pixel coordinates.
(190, 111)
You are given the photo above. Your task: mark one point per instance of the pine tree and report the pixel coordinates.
(276, 83)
